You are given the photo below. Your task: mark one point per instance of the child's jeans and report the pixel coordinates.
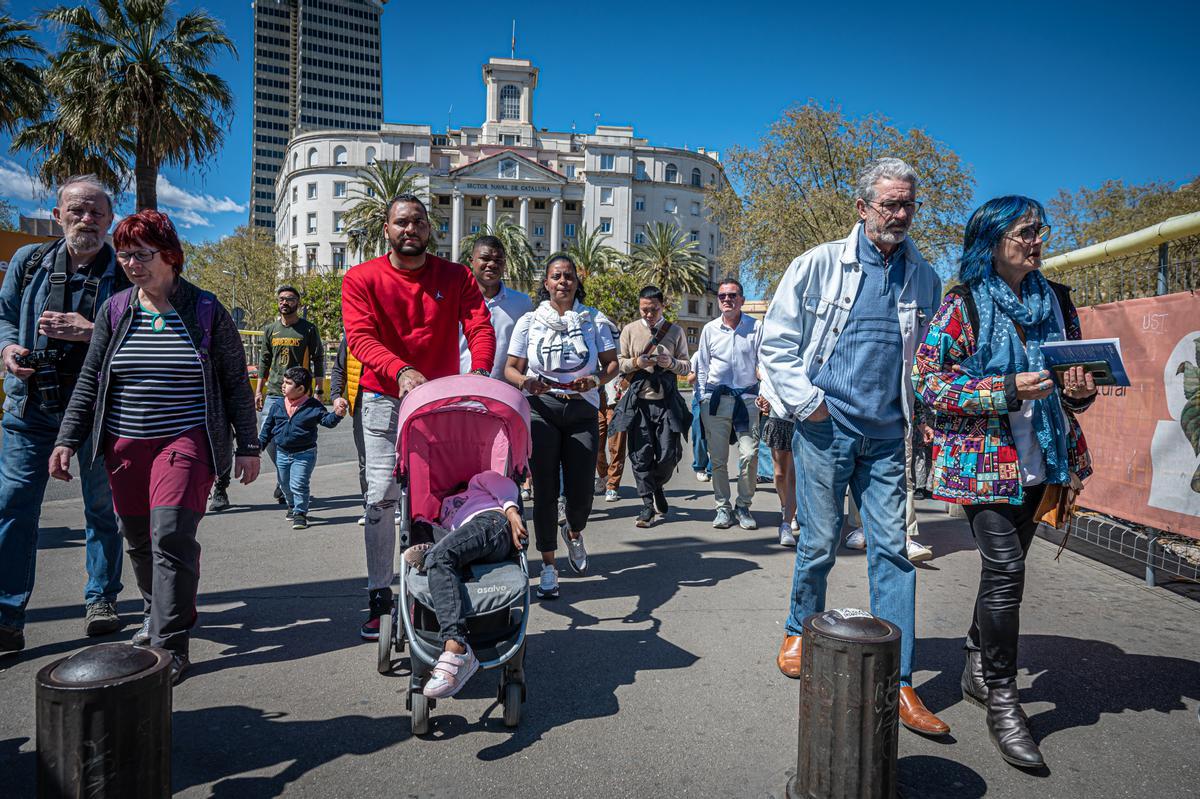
(484, 539)
(295, 470)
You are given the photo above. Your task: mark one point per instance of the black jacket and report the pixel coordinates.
(679, 414)
(228, 400)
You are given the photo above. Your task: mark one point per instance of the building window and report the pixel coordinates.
(606, 224)
(295, 160)
(639, 203)
(312, 156)
(339, 188)
(696, 178)
(338, 227)
(506, 203)
(693, 335)
(312, 191)
(606, 195)
(510, 102)
(569, 230)
(539, 205)
(476, 202)
(571, 206)
(639, 237)
(671, 175)
(693, 307)
(339, 257)
(474, 227)
(408, 151)
(339, 156)
(669, 205)
(710, 313)
(712, 243)
(312, 223)
(310, 257)
(539, 230)
(370, 191)
(295, 193)
(443, 227)
(570, 171)
(510, 139)
(608, 162)
(695, 209)
(443, 199)
(293, 225)
(694, 235)
(370, 155)
(508, 168)
(641, 170)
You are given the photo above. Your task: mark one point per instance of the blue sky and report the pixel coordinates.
(1034, 96)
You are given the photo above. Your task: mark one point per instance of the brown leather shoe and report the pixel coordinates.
(789, 656)
(915, 716)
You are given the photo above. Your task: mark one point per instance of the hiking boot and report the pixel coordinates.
(300, 521)
(219, 501)
(576, 553)
(646, 517)
(744, 519)
(142, 636)
(12, 639)
(101, 618)
(724, 519)
(380, 602)
(611, 495)
(548, 584)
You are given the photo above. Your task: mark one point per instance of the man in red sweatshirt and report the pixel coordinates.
(402, 313)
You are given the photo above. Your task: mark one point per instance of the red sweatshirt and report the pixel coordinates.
(398, 317)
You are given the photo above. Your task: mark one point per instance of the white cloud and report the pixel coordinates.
(40, 213)
(172, 196)
(188, 219)
(16, 184)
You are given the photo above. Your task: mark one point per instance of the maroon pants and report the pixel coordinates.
(160, 487)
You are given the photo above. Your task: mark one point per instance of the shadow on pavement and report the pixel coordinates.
(930, 777)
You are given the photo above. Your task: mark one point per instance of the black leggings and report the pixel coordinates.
(564, 432)
(1003, 533)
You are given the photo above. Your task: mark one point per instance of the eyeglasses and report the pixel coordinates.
(141, 256)
(893, 207)
(728, 296)
(1030, 233)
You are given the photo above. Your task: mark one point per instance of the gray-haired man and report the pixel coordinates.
(838, 345)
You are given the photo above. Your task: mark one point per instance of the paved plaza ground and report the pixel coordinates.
(652, 677)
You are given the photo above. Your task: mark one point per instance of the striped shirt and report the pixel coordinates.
(157, 380)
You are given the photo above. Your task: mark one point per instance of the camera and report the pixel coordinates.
(45, 377)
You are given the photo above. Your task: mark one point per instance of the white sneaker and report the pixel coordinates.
(795, 525)
(576, 552)
(611, 495)
(786, 539)
(918, 552)
(856, 539)
(703, 477)
(548, 584)
(362, 520)
(450, 674)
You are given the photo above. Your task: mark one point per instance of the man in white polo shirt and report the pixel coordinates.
(506, 305)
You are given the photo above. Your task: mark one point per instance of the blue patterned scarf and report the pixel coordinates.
(999, 351)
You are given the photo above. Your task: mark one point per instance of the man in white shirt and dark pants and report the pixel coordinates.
(726, 372)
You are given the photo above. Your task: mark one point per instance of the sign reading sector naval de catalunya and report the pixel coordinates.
(523, 188)
(1145, 439)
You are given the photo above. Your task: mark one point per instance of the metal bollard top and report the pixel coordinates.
(852, 624)
(102, 663)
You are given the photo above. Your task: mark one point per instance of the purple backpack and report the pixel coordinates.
(206, 305)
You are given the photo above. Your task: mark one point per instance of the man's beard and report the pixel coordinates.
(880, 234)
(84, 241)
(408, 249)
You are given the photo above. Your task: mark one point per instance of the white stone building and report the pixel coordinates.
(550, 183)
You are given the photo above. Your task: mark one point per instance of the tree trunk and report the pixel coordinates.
(145, 175)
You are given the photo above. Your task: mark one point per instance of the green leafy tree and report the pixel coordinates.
(795, 190)
(591, 255)
(669, 260)
(1089, 216)
(322, 302)
(521, 269)
(243, 269)
(20, 81)
(615, 293)
(8, 216)
(368, 203)
(129, 93)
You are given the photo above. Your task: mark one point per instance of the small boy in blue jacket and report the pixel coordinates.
(292, 425)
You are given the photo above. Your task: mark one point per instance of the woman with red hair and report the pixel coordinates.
(163, 382)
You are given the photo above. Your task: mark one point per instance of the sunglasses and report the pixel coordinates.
(728, 296)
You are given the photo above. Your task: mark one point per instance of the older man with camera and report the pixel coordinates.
(48, 300)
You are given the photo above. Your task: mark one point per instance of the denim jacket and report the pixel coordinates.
(809, 312)
(20, 310)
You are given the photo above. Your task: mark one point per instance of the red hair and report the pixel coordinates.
(154, 229)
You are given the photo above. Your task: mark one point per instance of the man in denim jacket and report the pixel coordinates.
(838, 345)
(31, 422)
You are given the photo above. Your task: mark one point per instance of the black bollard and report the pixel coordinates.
(849, 686)
(104, 724)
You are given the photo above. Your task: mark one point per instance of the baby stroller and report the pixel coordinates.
(449, 430)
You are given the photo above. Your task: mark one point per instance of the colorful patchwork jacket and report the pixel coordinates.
(974, 457)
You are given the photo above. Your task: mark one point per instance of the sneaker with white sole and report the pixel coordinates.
(142, 636)
(703, 477)
(548, 584)
(857, 539)
(744, 519)
(723, 519)
(101, 618)
(362, 520)
(576, 552)
(611, 495)
(786, 538)
(450, 674)
(917, 553)
(526, 495)
(795, 525)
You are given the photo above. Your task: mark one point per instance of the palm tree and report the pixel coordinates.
(591, 255)
(670, 261)
(364, 222)
(20, 83)
(129, 87)
(521, 264)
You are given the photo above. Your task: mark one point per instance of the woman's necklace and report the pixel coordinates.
(158, 322)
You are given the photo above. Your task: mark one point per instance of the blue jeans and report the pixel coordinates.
(828, 458)
(766, 461)
(699, 444)
(294, 470)
(25, 448)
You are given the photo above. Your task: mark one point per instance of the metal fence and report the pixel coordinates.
(1163, 269)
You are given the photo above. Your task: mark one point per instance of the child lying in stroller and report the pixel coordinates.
(480, 522)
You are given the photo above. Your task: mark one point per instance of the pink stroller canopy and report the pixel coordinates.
(453, 428)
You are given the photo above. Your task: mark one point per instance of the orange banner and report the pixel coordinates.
(1145, 439)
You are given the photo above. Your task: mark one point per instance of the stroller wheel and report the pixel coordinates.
(420, 713)
(512, 704)
(387, 628)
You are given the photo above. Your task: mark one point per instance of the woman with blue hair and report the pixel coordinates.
(1005, 434)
